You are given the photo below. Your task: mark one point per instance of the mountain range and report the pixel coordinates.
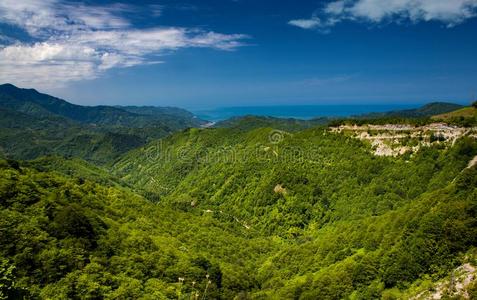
(31, 102)
(131, 202)
(36, 124)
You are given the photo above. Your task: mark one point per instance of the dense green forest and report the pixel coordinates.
(258, 208)
(73, 236)
(418, 116)
(33, 124)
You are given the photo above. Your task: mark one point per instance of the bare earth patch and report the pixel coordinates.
(456, 286)
(398, 139)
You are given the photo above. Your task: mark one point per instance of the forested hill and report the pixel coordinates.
(33, 124)
(32, 102)
(71, 238)
(351, 224)
(427, 110)
(281, 182)
(252, 122)
(417, 115)
(231, 214)
(131, 203)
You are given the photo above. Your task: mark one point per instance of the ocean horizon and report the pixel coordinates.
(303, 112)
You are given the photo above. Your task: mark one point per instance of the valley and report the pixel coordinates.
(238, 150)
(251, 208)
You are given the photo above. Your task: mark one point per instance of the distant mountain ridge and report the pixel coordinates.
(290, 124)
(32, 102)
(428, 110)
(34, 124)
(252, 122)
(157, 111)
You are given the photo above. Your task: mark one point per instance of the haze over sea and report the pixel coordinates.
(304, 112)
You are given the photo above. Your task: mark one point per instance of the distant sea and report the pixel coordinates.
(304, 112)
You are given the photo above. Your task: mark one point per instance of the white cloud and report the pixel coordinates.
(449, 12)
(42, 18)
(42, 52)
(77, 42)
(97, 17)
(335, 8)
(49, 65)
(306, 23)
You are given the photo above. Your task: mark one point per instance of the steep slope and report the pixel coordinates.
(351, 224)
(24, 136)
(280, 182)
(371, 232)
(32, 102)
(243, 212)
(33, 124)
(69, 238)
(378, 257)
(76, 168)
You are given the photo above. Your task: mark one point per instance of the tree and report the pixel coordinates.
(7, 280)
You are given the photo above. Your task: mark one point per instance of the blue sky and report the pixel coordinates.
(210, 53)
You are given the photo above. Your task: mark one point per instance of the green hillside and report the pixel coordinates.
(421, 115)
(326, 176)
(24, 136)
(466, 116)
(70, 238)
(253, 122)
(31, 102)
(257, 208)
(427, 110)
(343, 224)
(337, 209)
(33, 124)
(181, 117)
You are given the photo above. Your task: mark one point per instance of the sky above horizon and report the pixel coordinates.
(217, 53)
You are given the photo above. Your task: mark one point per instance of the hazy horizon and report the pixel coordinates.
(208, 54)
(203, 109)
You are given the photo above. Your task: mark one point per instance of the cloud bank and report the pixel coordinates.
(71, 42)
(449, 12)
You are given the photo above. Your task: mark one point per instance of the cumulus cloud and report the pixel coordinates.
(449, 12)
(73, 42)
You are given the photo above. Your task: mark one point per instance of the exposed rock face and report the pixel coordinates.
(279, 189)
(473, 162)
(398, 139)
(456, 287)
